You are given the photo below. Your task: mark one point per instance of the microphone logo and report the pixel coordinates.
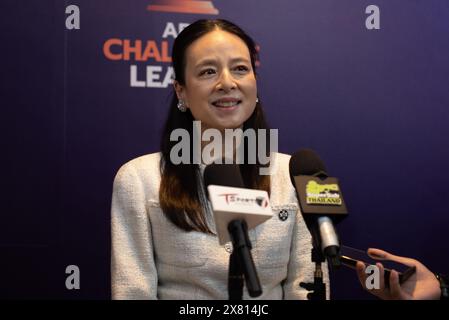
(261, 201)
(234, 198)
(229, 197)
(326, 194)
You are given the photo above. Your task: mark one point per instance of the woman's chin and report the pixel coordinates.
(229, 125)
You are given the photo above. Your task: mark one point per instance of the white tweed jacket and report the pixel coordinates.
(153, 259)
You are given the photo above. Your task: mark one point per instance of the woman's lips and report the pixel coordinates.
(226, 103)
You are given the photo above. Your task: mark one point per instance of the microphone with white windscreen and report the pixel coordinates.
(236, 210)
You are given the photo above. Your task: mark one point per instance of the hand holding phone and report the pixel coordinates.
(403, 276)
(414, 281)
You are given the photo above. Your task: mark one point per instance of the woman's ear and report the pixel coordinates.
(179, 89)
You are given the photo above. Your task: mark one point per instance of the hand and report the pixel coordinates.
(422, 285)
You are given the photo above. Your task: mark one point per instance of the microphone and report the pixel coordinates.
(232, 201)
(237, 209)
(320, 199)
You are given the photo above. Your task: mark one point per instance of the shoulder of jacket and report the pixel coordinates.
(144, 168)
(280, 163)
(144, 162)
(282, 190)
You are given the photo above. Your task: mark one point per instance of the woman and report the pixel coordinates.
(164, 244)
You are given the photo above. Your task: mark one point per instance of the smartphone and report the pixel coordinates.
(350, 256)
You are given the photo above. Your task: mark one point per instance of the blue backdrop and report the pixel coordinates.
(78, 103)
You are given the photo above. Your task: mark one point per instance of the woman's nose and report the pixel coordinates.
(226, 81)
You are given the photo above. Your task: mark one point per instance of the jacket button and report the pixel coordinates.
(283, 215)
(228, 247)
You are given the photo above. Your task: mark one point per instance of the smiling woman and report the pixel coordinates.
(220, 85)
(164, 242)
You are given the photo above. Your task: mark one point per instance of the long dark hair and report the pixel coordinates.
(179, 190)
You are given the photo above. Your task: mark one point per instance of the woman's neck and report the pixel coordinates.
(217, 144)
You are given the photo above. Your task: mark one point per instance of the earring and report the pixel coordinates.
(181, 106)
(257, 100)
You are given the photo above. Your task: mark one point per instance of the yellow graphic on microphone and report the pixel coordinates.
(327, 194)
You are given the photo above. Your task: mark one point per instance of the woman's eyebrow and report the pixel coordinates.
(207, 61)
(211, 61)
(239, 59)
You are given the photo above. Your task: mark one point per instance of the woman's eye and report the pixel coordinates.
(242, 69)
(207, 72)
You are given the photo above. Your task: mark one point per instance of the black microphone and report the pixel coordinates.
(320, 199)
(223, 175)
(236, 209)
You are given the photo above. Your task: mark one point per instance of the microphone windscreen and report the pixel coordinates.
(305, 162)
(227, 175)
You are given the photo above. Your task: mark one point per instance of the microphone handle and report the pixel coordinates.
(330, 245)
(327, 231)
(242, 245)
